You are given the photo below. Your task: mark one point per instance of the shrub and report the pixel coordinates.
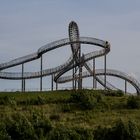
(88, 102)
(99, 98)
(40, 100)
(3, 133)
(55, 117)
(41, 125)
(120, 93)
(19, 127)
(84, 99)
(85, 134)
(117, 93)
(63, 133)
(75, 97)
(6, 100)
(133, 102)
(66, 108)
(120, 131)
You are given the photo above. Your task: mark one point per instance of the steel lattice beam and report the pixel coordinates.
(75, 60)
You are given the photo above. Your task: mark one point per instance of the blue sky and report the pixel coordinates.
(26, 25)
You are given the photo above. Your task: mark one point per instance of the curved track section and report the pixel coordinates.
(47, 48)
(109, 72)
(76, 60)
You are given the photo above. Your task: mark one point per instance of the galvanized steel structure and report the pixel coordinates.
(76, 62)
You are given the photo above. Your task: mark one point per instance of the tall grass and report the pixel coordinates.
(84, 114)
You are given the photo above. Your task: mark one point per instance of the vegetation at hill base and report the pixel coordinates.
(69, 115)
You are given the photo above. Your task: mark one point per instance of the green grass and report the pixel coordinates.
(87, 111)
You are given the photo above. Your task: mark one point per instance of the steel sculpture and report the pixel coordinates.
(75, 63)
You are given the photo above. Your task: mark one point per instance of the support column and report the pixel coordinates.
(56, 85)
(80, 70)
(105, 71)
(24, 86)
(125, 86)
(22, 82)
(73, 77)
(52, 82)
(94, 80)
(80, 78)
(95, 84)
(41, 67)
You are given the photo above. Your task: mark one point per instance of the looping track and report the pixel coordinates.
(76, 60)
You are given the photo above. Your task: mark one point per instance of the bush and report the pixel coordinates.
(117, 93)
(85, 134)
(120, 93)
(66, 108)
(84, 99)
(120, 131)
(55, 117)
(133, 102)
(63, 133)
(3, 133)
(99, 98)
(75, 97)
(41, 125)
(6, 100)
(39, 100)
(88, 102)
(19, 127)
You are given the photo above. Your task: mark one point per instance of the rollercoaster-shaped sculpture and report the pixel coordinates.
(76, 62)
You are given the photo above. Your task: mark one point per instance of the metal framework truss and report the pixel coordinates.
(75, 62)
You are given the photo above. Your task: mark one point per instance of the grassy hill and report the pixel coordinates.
(86, 114)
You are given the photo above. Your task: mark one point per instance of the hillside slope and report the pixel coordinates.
(85, 114)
